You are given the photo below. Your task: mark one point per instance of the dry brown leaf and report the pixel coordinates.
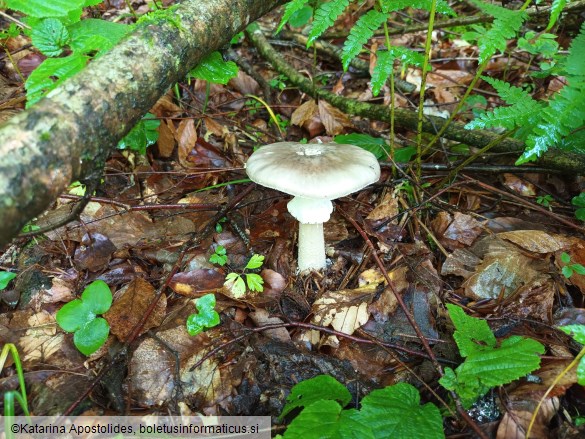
(304, 113)
(166, 138)
(196, 282)
(334, 120)
(186, 138)
(215, 128)
(519, 185)
(41, 340)
(386, 208)
(537, 241)
(130, 305)
(261, 317)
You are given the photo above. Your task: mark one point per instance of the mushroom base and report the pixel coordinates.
(311, 247)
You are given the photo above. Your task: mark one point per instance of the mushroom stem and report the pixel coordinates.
(311, 247)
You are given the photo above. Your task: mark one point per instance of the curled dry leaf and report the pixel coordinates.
(458, 231)
(261, 317)
(196, 282)
(130, 305)
(94, 253)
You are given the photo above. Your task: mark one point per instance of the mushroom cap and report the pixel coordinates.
(313, 170)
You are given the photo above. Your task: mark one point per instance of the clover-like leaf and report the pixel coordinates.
(5, 278)
(206, 318)
(92, 336)
(74, 315)
(97, 296)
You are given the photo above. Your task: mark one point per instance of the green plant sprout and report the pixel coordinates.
(80, 317)
(5, 278)
(219, 257)
(486, 364)
(545, 200)
(278, 82)
(394, 411)
(569, 269)
(205, 318)
(12, 395)
(235, 281)
(219, 225)
(579, 201)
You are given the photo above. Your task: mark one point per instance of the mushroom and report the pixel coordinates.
(315, 174)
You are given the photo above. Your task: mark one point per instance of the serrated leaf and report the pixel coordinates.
(92, 336)
(44, 8)
(96, 35)
(235, 284)
(41, 80)
(255, 261)
(5, 278)
(97, 296)
(218, 259)
(555, 10)
(321, 387)
(395, 411)
(575, 331)
(254, 282)
(472, 334)
(318, 420)
(324, 18)
(50, 37)
(360, 33)
(290, 9)
(214, 69)
(385, 62)
(442, 7)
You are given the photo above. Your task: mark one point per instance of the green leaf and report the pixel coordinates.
(218, 259)
(375, 145)
(565, 258)
(214, 69)
(580, 214)
(579, 269)
(385, 64)
(255, 261)
(193, 326)
(575, 331)
(395, 412)
(579, 200)
(404, 154)
(92, 336)
(5, 278)
(360, 33)
(144, 134)
(324, 18)
(581, 372)
(471, 335)
(50, 73)
(97, 296)
(50, 37)
(321, 387)
(205, 302)
(301, 17)
(254, 282)
(44, 8)
(235, 283)
(91, 35)
(74, 315)
(567, 271)
(290, 9)
(442, 6)
(555, 10)
(319, 420)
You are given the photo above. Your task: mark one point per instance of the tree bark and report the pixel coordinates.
(62, 137)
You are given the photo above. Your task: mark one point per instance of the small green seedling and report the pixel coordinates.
(5, 278)
(235, 281)
(544, 200)
(569, 269)
(206, 318)
(80, 317)
(219, 225)
(220, 256)
(579, 201)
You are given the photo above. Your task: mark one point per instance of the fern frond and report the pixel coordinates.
(555, 10)
(523, 109)
(360, 33)
(289, 10)
(566, 110)
(506, 24)
(385, 63)
(396, 5)
(324, 18)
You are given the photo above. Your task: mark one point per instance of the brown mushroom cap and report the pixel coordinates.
(314, 170)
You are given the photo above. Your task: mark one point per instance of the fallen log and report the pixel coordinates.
(62, 137)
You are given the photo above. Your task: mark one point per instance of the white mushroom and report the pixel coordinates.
(315, 174)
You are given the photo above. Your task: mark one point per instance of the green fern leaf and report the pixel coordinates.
(360, 33)
(384, 65)
(566, 110)
(555, 10)
(523, 109)
(505, 26)
(324, 18)
(442, 6)
(289, 10)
